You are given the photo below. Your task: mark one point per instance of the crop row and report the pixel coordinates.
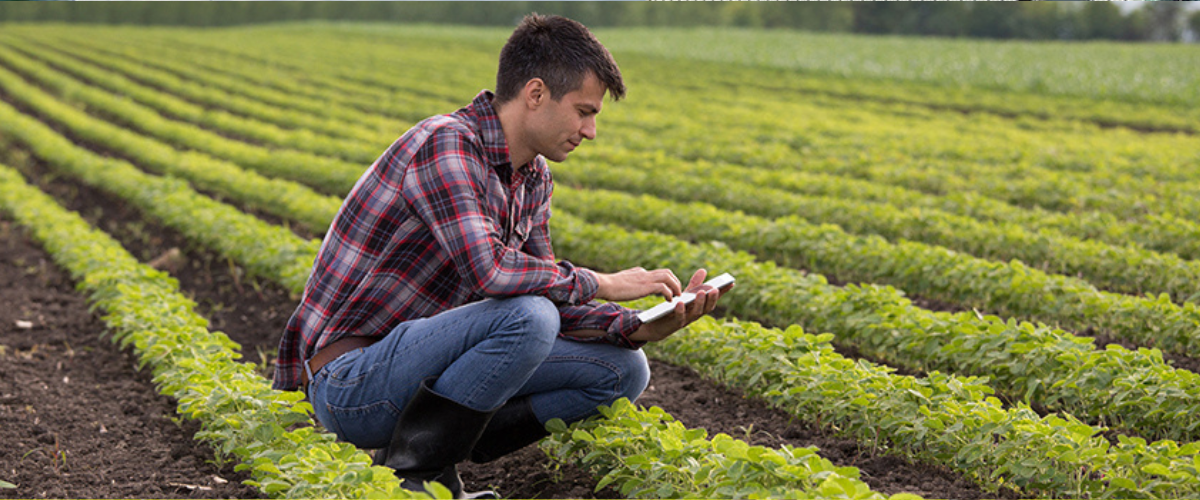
(726, 447)
(263, 249)
(1086, 152)
(1160, 469)
(282, 112)
(862, 82)
(1160, 383)
(1014, 182)
(1024, 360)
(1174, 229)
(267, 78)
(649, 454)
(307, 119)
(924, 151)
(1123, 269)
(274, 196)
(407, 67)
(296, 288)
(249, 101)
(940, 418)
(630, 47)
(1158, 273)
(1159, 232)
(242, 416)
(948, 419)
(324, 173)
(810, 124)
(239, 413)
(931, 272)
(117, 177)
(269, 123)
(28, 126)
(673, 86)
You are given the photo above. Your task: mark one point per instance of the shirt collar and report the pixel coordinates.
(495, 147)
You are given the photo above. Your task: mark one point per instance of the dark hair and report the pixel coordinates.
(558, 50)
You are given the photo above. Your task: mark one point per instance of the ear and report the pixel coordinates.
(535, 93)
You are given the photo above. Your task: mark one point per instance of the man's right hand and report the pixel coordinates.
(635, 283)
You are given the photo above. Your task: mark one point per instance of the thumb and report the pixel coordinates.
(697, 278)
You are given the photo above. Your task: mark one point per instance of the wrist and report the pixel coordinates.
(638, 335)
(603, 282)
(644, 334)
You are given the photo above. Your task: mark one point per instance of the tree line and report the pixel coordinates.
(1154, 21)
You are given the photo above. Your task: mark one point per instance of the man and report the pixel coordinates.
(437, 326)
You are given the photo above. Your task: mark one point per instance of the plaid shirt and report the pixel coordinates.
(441, 219)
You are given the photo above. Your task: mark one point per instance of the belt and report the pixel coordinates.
(332, 352)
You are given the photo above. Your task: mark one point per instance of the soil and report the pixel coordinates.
(126, 442)
(77, 419)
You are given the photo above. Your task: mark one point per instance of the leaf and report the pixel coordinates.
(1157, 469)
(1124, 483)
(6, 485)
(556, 425)
(607, 480)
(438, 490)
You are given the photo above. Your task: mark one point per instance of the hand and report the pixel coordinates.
(635, 283)
(706, 300)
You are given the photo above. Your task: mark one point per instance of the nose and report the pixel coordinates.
(589, 128)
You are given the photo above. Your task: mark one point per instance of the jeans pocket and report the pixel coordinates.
(367, 426)
(345, 371)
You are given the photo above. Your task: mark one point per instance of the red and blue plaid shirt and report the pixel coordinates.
(441, 219)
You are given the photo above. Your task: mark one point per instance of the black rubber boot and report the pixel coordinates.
(432, 435)
(513, 427)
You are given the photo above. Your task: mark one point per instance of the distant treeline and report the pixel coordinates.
(1163, 21)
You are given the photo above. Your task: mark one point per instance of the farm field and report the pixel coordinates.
(966, 281)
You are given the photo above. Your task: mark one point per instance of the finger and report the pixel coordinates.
(710, 300)
(696, 308)
(697, 278)
(670, 280)
(713, 297)
(681, 315)
(665, 291)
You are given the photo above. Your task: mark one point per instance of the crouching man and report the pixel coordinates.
(437, 326)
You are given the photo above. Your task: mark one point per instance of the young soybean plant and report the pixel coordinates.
(646, 453)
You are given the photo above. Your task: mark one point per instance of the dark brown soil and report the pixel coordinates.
(76, 418)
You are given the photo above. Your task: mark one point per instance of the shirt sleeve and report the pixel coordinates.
(445, 187)
(619, 322)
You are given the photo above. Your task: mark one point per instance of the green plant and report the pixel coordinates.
(646, 453)
(269, 431)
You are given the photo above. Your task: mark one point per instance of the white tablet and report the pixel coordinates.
(665, 308)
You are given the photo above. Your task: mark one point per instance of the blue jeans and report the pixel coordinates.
(483, 354)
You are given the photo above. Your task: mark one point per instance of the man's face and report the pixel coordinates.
(558, 127)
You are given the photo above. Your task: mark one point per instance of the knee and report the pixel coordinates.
(538, 318)
(635, 375)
